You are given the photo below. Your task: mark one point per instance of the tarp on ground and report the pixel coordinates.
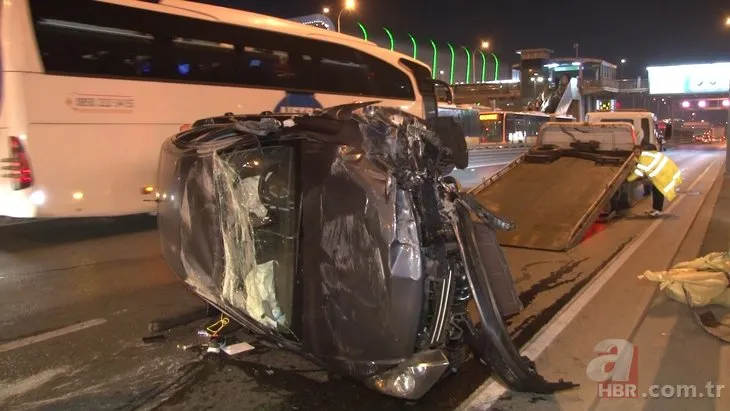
(699, 283)
(705, 280)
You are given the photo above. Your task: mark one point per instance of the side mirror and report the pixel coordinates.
(443, 91)
(452, 136)
(668, 132)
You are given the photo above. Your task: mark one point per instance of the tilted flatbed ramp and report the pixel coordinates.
(554, 202)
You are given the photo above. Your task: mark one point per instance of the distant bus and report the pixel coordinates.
(508, 127)
(91, 89)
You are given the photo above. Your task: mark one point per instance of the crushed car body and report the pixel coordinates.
(340, 235)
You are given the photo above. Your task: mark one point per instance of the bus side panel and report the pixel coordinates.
(18, 54)
(94, 143)
(66, 99)
(14, 123)
(95, 169)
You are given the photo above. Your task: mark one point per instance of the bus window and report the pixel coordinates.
(68, 48)
(515, 128)
(109, 40)
(472, 127)
(523, 128)
(196, 60)
(535, 123)
(492, 127)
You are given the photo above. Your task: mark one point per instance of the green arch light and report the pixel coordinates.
(390, 36)
(484, 66)
(435, 59)
(364, 31)
(496, 67)
(415, 45)
(468, 63)
(453, 61)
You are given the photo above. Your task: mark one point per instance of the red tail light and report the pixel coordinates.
(19, 165)
(185, 127)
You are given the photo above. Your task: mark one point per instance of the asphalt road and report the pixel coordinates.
(77, 297)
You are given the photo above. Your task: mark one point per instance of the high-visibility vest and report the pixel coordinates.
(661, 170)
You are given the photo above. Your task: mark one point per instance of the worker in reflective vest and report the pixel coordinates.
(663, 173)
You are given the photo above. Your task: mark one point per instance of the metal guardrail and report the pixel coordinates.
(615, 85)
(496, 156)
(636, 84)
(487, 150)
(680, 140)
(469, 93)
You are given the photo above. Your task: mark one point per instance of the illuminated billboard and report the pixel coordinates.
(690, 79)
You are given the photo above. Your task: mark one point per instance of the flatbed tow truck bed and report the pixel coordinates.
(553, 203)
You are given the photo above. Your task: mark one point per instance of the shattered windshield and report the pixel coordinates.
(256, 192)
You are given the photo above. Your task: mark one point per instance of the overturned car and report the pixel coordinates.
(340, 235)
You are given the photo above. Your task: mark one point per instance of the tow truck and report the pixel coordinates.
(558, 189)
(644, 122)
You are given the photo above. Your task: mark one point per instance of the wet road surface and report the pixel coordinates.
(77, 297)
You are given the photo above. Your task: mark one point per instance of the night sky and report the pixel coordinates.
(645, 32)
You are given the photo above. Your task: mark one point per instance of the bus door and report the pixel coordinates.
(493, 130)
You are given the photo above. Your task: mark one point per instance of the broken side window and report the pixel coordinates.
(256, 192)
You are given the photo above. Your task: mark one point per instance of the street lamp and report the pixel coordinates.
(727, 21)
(620, 69)
(535, 79)
(349, 6)
(484, 45)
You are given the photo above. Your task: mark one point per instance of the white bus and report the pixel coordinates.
(508, 127)
(90, 89)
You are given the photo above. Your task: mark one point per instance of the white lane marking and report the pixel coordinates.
(487, 395)
(28, 384)
(23, 342)
(488, 165)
